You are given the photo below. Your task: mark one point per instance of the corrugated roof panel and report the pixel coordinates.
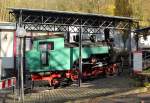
(25, 10)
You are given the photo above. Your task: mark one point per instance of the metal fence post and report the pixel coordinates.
(130, 50)
(14, 89)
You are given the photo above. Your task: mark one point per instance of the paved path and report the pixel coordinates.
(97, 88)
(134, 97)
(5, 96)
(115, 89)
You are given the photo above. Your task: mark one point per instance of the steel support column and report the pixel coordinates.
(130, 49)
(20, 69)
(137, 37)
(80, 55)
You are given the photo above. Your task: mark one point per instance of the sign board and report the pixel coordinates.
(21, 32)
(137, 61)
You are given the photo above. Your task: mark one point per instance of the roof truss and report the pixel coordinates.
(34, 20)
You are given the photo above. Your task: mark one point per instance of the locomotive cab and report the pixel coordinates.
(44, 48)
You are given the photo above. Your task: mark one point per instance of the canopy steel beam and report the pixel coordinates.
(73, 28)
(62, 22)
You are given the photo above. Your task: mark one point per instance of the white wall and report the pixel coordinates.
(6, 51)
(144, 43)
(6, 38)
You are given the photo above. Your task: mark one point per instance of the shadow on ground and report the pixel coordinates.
(102, 87)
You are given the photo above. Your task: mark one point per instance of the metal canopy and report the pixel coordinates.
(146, 29)
(62, 21)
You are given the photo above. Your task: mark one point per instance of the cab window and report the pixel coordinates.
(46, 46)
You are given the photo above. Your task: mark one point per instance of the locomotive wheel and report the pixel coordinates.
(109, 70)
(116, 69)
(75, 74)
(112, 70)
(55, 83)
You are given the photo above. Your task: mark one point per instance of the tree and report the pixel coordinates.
(131, 8)
(123, 8)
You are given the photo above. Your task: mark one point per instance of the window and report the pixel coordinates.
(28, 44)
(46, 46)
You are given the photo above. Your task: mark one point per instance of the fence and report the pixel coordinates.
(7, 84)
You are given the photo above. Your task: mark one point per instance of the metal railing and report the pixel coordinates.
(9, 83)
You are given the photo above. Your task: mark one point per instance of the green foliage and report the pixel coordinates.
(131, 8)
(147, 84)
(123, 8)
(146, 70)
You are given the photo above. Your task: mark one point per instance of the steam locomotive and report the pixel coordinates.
(54, 61)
